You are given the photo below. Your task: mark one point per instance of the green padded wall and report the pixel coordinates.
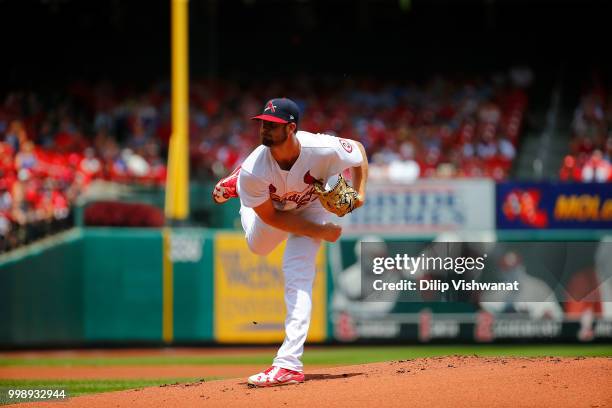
(193, 287)
(122, 290)
(41, 292)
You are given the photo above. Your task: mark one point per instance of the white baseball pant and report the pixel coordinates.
(299, 271)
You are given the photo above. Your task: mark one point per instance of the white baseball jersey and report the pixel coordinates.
(321, 157)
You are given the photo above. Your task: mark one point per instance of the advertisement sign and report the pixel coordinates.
(249, 296)
(554, 206)
(386, 289)
(426, 206)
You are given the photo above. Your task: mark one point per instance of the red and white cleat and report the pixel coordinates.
(226, 187)
(275, 376)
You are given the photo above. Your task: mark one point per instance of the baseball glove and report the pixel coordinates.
(340, 199)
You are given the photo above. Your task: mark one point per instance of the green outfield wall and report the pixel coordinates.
(41, 292)
(122, 285)
(112, 286)
(103, 285)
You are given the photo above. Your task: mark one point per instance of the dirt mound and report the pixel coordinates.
(431, 382)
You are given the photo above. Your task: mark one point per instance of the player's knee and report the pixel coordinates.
(258, 248)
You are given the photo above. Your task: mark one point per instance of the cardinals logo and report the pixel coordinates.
(308, 179)
(292, 199)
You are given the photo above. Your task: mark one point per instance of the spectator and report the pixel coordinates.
(90, 165)
(15, 135)
(596, 169)
(570, 171)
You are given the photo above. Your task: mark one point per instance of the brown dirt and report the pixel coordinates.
(432, 382)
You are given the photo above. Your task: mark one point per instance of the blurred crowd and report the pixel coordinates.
(440, 128)
(53, 145)
(590, 158)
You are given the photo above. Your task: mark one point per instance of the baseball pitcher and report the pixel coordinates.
(283, 196)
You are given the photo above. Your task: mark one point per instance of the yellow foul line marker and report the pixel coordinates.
(167, 289)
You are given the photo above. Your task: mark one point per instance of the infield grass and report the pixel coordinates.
(326, 355)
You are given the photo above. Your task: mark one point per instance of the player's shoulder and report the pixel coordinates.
(322, 143)
(316, 140)
(256, 161)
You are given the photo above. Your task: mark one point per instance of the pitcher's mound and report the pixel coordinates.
(431, 382)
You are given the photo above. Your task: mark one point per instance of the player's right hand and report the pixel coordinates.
(330, 231)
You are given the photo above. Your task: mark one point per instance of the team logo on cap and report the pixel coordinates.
(270, 106)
